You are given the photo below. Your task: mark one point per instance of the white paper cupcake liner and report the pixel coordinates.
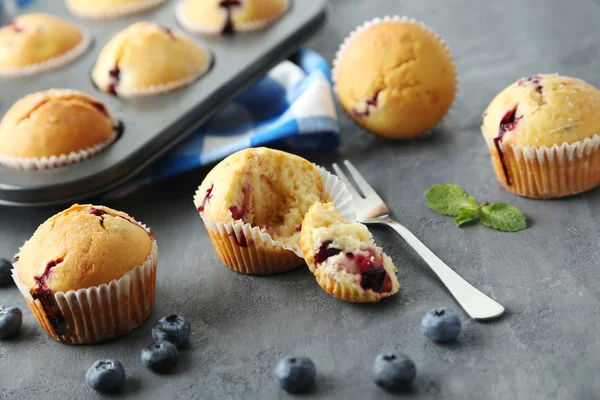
(121, 11)
(246, 27)
(52, 63)
(102, 312)
(547, 172)
(386, 20)
(245, 248)
(55, 161)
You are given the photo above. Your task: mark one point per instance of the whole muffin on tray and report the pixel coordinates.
(543, 135)
(54, 128)
(395, 77)
(253, 203)
(88, 274)
(33, 43)
(106, 9)
(229, 16)
(147, 59)
(344, 258)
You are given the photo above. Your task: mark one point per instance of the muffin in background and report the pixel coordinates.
(395, 77)
(107, 9)
(228, 17)
(33, 43)
(344, 257)
(88, 274)
(542, 134)
(54, 128)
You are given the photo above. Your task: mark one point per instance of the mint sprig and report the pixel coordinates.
(454, 201)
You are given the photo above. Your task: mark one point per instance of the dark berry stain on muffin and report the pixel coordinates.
(206, 198)
(535, 80)
(15, 26)
(168, 31)
(98, 213)
(139, 226)
(299, 228)
(240, 212)
(228, 5)
(372, 102)
(44, 295)
(372, 279)
(507, 123)
(115, 78)
(325, 251)
(372, 275)
(241, 241)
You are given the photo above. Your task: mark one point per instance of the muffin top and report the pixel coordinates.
(147, 58)
(543, 110)
(53, 123)
(109, 8)
(395, 77)
(81, 247)
(33, 39)
(229, 16)
(267, 188)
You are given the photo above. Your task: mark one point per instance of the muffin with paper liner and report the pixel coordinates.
(395, 77)
(54, 128)
(253, 202)
(228, 16)
(543, 135)
(33, 43)
(88, 274)
(108, 9)
(344, 257)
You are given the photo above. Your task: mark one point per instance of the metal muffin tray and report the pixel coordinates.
(153, 125)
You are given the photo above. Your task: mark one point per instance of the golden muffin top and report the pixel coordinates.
(109, 8)
(396, 77)
(53, 123)
(35, 39)
(267, 188)
(81, 247)
(146, 59)
(543, 110)
(229, 16)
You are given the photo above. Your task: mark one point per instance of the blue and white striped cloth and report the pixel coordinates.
(292, 104)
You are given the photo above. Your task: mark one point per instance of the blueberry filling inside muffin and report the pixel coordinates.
(44, 295)
(115, 78)
(372, 102)
(15, 26)
(507, 123)
(240, 212)
(206, 198)
(536, 80)
(228, 5)
(99, 213)
(325, 251)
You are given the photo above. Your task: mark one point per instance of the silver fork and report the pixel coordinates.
(371, 209)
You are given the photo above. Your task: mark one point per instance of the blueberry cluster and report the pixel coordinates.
(170, 334)
(392, 371)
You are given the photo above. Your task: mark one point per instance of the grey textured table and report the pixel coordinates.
(545, 347)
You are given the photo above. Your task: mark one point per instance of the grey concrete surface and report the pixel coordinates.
(545, 347)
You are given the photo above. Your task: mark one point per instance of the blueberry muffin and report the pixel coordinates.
(54, 128)
(88, 274)
(147, 59)
(33, 43)
(253, 203)
(344, 258)
(228, 16)
(542, 133)
(395, 77)
(104, 9)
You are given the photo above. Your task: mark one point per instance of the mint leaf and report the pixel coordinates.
(466, 216)
(449, 199)
(503, 217)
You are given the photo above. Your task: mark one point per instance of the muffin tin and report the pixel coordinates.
(153, 125)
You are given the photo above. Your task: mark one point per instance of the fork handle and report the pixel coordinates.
(476, 304)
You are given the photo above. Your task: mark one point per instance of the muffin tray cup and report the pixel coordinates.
(151, 125)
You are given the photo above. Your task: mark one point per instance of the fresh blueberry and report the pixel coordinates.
(174, 329)
(105, 376)
(440, 325)
(296, 374)
(11, 319)
(394, 372)
(159, 357)
(5, 275)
